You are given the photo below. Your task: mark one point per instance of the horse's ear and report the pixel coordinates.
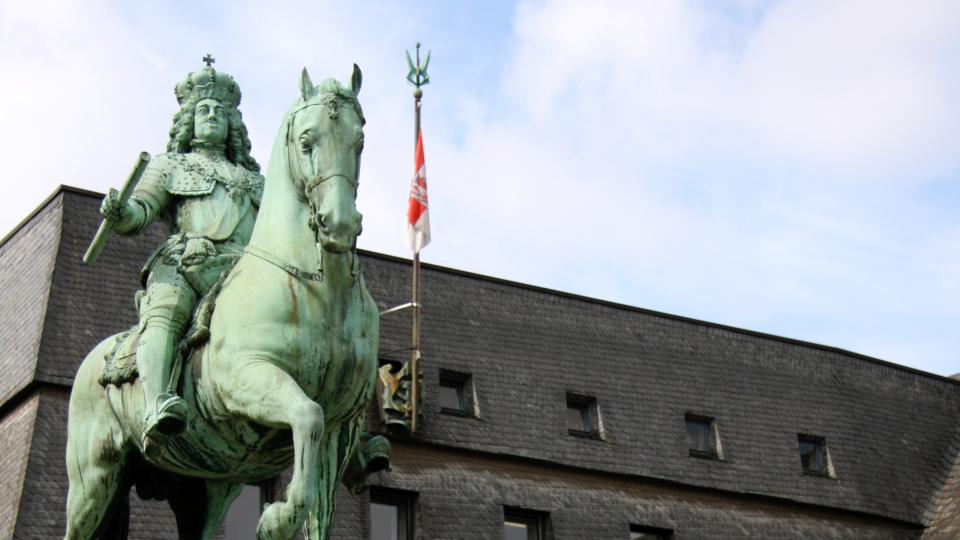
(306, 85)
(356, 80)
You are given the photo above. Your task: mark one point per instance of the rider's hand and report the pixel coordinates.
(197, 251)
(113, 210)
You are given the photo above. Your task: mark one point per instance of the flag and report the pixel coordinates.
(418, 215)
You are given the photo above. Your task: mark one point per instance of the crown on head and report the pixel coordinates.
(208, 83)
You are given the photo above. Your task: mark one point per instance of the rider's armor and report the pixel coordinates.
(211, 206)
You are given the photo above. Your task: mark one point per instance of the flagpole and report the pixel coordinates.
(415, 286)
(418, 77)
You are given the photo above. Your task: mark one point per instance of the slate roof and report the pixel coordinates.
(943, 511)
(27, 258)
(889, 429)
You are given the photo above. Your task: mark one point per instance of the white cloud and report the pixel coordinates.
(766, 165)
(860, 86)
(743, 172)
(64, 106)
(856, 85)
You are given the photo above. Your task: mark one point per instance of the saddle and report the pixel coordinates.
(121, 360)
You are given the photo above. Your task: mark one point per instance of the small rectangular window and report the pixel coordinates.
(455, 393)
(643, 532)
(813, 455)
(391, 514)
(702, 439)
(523, 524)
(582, 416)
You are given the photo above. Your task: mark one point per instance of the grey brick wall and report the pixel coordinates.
(462, 495)
(16, 431)
(943, 513)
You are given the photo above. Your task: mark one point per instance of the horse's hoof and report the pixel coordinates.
(268, 528)
(377, 453)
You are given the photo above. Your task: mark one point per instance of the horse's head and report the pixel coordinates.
(323, 145)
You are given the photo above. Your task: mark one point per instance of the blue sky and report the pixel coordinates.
(790, 167)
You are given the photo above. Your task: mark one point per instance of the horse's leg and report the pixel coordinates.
(199, 504)
(338, 446)
(220, 495)
(95, 462)
(119, 525)
(269, 396)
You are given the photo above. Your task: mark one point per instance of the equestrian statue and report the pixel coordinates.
(256, 346)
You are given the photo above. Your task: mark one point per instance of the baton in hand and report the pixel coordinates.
(100, 240)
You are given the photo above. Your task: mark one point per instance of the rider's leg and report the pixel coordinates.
(164, 315)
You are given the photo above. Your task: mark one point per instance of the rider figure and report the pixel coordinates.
(207, 188)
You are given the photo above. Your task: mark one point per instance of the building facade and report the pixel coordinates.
(545, 415)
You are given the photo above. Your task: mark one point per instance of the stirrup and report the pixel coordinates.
(168, 419)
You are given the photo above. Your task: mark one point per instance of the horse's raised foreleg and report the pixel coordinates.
(339, 444)
(267, 395)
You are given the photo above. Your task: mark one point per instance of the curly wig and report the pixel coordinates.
(237, 144)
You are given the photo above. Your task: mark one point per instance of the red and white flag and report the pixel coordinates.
(418, 215)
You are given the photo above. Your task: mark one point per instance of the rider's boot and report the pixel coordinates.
(164, 314)
(166, 414)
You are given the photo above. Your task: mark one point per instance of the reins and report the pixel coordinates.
(288, 268)
(308, 187)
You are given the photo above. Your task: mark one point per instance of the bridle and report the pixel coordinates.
(308, 186)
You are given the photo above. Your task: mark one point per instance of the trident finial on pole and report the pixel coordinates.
(418, 77)
(418, 74)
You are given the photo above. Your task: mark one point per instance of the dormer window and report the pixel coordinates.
(583, 417)
(456, 393)
(814, 458)
(703, 440)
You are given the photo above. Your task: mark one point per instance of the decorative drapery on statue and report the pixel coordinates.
(256, 346)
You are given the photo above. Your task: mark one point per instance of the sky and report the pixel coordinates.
(789, 167)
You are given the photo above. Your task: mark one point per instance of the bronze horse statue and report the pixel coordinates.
(286, 374)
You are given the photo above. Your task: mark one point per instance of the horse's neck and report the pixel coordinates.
(282, 229)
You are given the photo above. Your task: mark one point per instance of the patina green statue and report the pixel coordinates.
(208, 189)
(280, 360)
